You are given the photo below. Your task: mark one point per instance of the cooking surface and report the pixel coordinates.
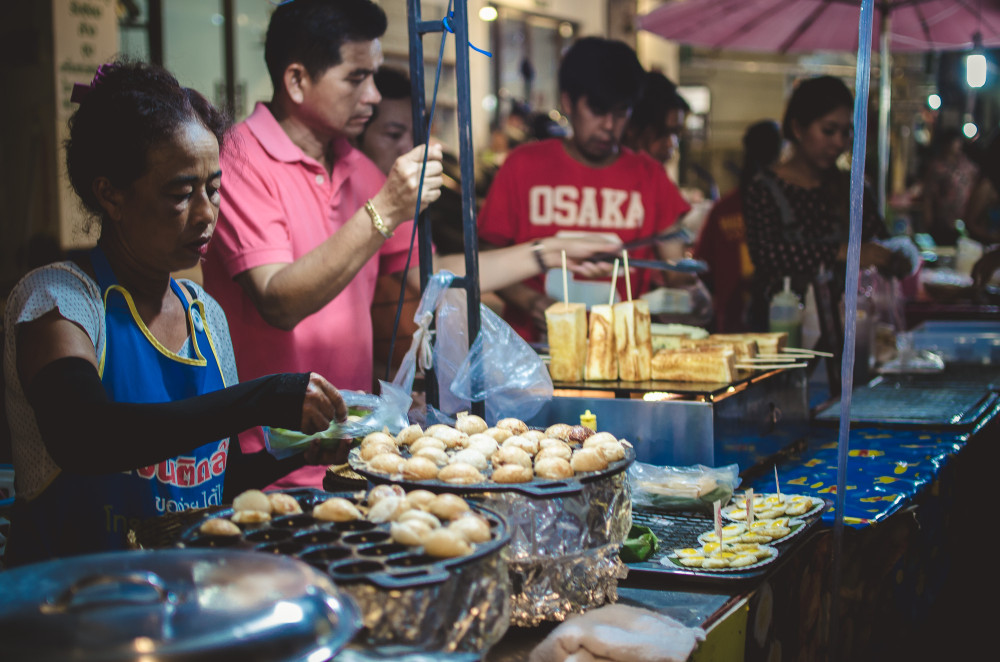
(953, 398)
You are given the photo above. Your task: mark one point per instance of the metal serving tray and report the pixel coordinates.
(742, 423)
(945, 400)
(349, 552)
(681, 530)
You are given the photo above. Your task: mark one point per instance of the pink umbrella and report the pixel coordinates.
(783, 26)
(786, 26)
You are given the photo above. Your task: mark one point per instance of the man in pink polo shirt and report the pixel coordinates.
(308, 222)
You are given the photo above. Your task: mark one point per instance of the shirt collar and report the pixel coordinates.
(280, 147)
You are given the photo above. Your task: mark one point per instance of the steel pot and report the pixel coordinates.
(171, 605)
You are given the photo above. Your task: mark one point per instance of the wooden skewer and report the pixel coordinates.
(628, 280)
(614, 284)
(812, 352)
(565, 281)
(772, 358)
(770, 366)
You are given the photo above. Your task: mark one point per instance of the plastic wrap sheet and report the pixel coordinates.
(564, 550)
(469, 612)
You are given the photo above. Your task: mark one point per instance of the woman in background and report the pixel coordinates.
(798, 212)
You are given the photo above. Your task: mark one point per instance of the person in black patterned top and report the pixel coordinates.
(798, 213)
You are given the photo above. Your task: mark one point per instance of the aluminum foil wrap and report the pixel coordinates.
(563, 553)
(468, 612)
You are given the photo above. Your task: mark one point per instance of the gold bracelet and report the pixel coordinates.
(536, 250)
(377, 220)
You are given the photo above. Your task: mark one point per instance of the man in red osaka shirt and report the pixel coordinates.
(587, 182)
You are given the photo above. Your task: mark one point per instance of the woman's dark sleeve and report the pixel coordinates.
(86, 432)
(246, 471)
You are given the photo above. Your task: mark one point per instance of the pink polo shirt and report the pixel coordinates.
(277, 205)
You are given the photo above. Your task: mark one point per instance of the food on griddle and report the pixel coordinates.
(578, 434)
(445, 543)
(419, 515)
(470, 424)
(512, 473)
(448, 506)
(377, 448)
(451, 437)
(250, 516)
(337, 509)
(460, 473)
(499, 434)
(419, 468)
(387, 463)
(219, 526)
(512, 425)
(388, 509)
(567, 333)
(560, 450)
(473, 527)
(283, 504)
(767, 342)
(633, 340)
(471, 456)
(409, 434)
(435, 455)
(380, 492)
(602, 358)
(252, 500)
(478, 457)
(558, 431)
(511, 455)
(420, 498)
(483, 443)
(552, 467)
(588, 459)
(427, 442)
(710, 364)
(524, 443)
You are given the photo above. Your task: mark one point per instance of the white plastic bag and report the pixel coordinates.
(500, 368)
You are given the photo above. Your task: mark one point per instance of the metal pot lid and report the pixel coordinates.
(173, 605)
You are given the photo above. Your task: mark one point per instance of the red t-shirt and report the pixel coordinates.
(541, 190)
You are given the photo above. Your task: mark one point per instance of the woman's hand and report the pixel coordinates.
(322, 404)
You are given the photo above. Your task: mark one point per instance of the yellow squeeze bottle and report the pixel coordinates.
(588, 420)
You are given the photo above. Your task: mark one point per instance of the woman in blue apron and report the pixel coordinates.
(121, 388)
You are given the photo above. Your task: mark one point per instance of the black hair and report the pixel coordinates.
(812, 99)
(312, 31)
(130, 107)
(659, 97)
(391, 84)
(761, 148)
(605, 71)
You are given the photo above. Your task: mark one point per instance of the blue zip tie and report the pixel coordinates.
(446, 22)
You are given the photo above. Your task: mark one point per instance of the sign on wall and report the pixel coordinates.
(85, 35)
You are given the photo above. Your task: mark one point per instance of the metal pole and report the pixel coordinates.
(420, 131)
(470, 282)
(460, 24)
(885, 101)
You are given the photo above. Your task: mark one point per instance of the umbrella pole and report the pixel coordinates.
(885, 99)
(861, 84)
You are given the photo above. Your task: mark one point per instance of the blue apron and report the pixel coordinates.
(80, 514)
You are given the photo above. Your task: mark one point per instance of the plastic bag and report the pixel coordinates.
(367, 413)
(500, 368)
(503, 370)
(692, 488)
